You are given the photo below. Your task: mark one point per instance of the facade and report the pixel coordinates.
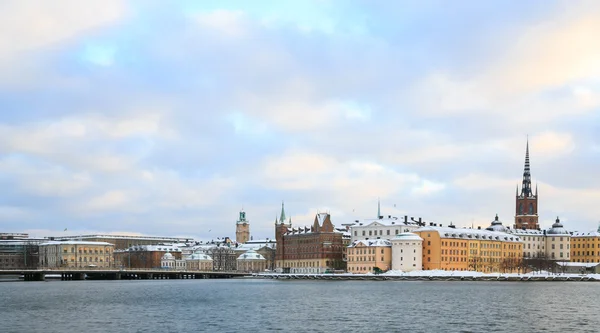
(407, 252)
(224, 257)
(145, 256)
(199, 262)
(57, 254)
(124, 242)
(18, 253)
(365, 256)
(317, 249)
(264, 247)
(242, 229)
(558, 242)
(526, 208)
(450, 248)
(251, 262)
(382, 228)
(585, 247)
(168, 261)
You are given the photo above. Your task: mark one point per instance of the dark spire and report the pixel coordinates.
(526, 187)
(282, 217)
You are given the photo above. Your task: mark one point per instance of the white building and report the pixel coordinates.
(168, 261)
(382, 228)
(199, 262)
(558, 242)
(407, 252)
(251, 261)
(553, 243)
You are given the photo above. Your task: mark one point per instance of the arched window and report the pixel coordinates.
(520, 208)
(530, 209)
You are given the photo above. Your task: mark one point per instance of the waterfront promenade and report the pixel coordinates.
(119, 274)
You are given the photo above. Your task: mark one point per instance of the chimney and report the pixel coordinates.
(389, 216)
(405, 219)
(479, 227)
(431, 224)
(440, 225)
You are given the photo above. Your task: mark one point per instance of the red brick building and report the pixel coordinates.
(144, 256)
(314, 249)
(526, 208)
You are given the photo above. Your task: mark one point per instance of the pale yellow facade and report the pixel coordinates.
(364, 256)
(585, 247)
(57, 254)
(470, 250)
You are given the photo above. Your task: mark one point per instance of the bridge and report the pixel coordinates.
(119, 274)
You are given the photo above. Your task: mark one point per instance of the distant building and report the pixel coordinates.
(17, 253)
(242, 229)
(382, 227)
(585, 247)
(13, 235)
(407, 252)
(526, 212)
(252, 262)
(64, 254)
(199, 262)
(366, 256)
(461, 249)
(265, 247)
(168, 261)
(145, 256)
(317, 249)
(122, 242)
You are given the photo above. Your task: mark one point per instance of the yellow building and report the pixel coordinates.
(585, 247)
(366, 255)
(449, 248)
(57, 254)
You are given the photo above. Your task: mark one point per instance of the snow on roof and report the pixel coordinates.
(151, 248)
(407, 236)
(371, 243)
(321, 217)
(199, 256)
(578, 264)
(251, 255)
(76, 243)
(586, 234)
(526, 232)
(174, 239)
(447, 232)
(386, 221)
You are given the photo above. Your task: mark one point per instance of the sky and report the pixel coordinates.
(167, 118)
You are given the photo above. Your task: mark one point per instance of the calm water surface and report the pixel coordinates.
(298, 306)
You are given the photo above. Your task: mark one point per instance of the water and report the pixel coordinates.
(297, 306)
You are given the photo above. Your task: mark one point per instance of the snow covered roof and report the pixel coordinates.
(447, 232)
(200, 256)
(386, 221)
(526, 232)
(586, 234)
(251, 255)
(578, 264)
(321, 217)
(406, 236)
(76, 243)
(168, 256)
(371, 243)
(161, 247)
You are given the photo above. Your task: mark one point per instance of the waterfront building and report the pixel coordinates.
(368, 256)
(242, 229)
(145, 256)
(199, 261)
(122, 242)
(19, 253)
(316, 249)
(558, 242)
(407, 252)
(382, 227)
(64, 254)
(526, 208)
(168, 261)
(585, 247)
(264, 247)
(13, 235)
(462, 249)
(251, 262)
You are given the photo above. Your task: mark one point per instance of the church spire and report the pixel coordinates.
(526, 187)
(282, 217)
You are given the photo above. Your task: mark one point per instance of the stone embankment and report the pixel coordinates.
(384, 277)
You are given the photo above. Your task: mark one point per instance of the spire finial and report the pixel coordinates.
(526, 188)
(282, 217)
(496, 217)
(378, 209)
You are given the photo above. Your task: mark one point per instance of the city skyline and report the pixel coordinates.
(166, 119)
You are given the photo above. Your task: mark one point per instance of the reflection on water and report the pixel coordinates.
(298, 306)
